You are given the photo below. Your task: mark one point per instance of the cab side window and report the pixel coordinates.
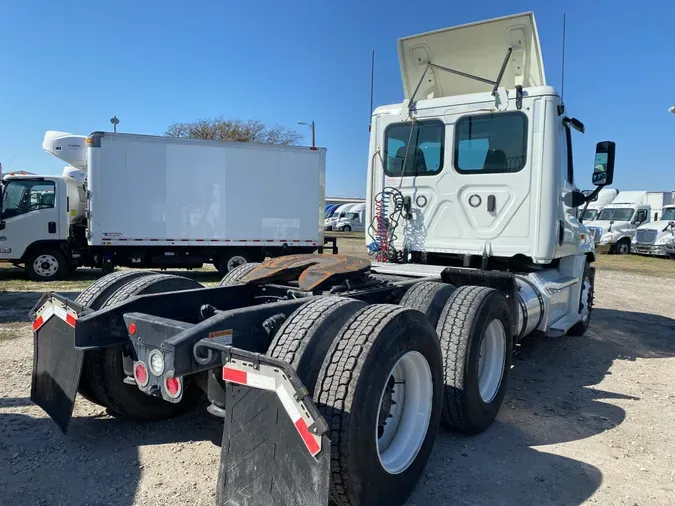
(23, 196)
(414, 149)
(641, 216)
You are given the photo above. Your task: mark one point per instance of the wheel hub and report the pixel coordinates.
(491, 360)
(404, 412)
(45, 265)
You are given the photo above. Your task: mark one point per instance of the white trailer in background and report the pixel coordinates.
(166, 203)
(658, 201)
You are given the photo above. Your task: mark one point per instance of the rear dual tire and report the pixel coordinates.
(102, 379)
(474, 327)
(353, 359)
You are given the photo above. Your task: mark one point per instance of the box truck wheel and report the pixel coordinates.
(104, 369)
(585, 304)
(46, 265)
(380, 390)
(234, 276)
(475, 334)
(428, 297)
(229, 261)
(93, 297)
(304, 338)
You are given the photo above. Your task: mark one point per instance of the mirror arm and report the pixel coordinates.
(595, 193)
(581, 218)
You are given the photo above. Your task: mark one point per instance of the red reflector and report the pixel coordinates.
(313, 148)
(132, 328)
(38, 323)
(71, 320)
(307, 437)
(172, 386)
(141, 374)
(234, 376)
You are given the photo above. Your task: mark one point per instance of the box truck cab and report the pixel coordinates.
(598, 203)
(353, 220)
(658, 237)
(42, 223)
(615, 226)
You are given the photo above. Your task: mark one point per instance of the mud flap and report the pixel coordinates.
(275, 449)
(57, 365)
(56, 371)
(263, 459)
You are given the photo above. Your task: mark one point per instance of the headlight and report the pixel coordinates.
(668, 239)
(606, 238)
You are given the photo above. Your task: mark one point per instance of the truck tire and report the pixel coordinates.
(585, 304)
(46, 265)
(622, 247)
(477, 344)
(93, 297)
(233, 277)
(428, 297)
(346, 228)
(305, 337)
(382, 377)
(231, 260)
(104, 371)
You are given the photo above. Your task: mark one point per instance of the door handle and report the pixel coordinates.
(51, 227)
(491, 203)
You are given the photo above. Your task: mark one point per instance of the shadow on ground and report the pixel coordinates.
(97, 462)
(551, 399)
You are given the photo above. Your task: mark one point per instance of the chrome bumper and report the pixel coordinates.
(649, 249)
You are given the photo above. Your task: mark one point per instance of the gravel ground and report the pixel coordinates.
(586, 421)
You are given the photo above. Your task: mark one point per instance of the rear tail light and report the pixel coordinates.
(141, 374)
(156, 362)
(174, 387)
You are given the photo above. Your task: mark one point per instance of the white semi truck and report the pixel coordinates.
(162, 202)
(605, 197)
(657, 238)
(614, 227)
(333, 373)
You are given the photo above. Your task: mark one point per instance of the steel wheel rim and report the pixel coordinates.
(491, 360)
(46, 265)
(235, 262)
(623, 248)
(407, 417)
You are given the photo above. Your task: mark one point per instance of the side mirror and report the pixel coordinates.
(574, 198)
(603, 172)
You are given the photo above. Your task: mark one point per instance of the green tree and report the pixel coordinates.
(223, 129)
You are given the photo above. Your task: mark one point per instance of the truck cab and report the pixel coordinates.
(353, 220)
(598, 203)
(658, 237)
(615, 226)
(39, 219)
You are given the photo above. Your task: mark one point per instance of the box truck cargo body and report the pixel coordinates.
(167, 202)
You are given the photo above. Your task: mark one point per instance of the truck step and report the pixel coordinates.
(560, 328)
(560, 283)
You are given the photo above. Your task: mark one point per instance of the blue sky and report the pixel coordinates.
(71, 66)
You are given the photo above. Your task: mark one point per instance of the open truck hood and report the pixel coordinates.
(478, 49)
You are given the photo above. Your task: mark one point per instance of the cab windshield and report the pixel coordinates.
(669, 214)
(616, 214)
(589, 214)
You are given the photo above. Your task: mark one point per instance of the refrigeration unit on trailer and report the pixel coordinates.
(614, 227)
(168, 203)
(333, 373)
(657, 238)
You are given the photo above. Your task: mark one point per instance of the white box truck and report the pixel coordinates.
(163, 202)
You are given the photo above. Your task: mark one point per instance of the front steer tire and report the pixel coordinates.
(103, 369)
(350, 392)
(462, 327)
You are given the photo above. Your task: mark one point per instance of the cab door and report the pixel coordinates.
(30, 214)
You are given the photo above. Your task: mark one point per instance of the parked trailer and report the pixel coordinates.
(164, 202)
(331, 373)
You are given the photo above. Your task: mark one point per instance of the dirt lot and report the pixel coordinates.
(586, 421)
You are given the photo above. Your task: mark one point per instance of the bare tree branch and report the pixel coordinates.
(223, 129)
